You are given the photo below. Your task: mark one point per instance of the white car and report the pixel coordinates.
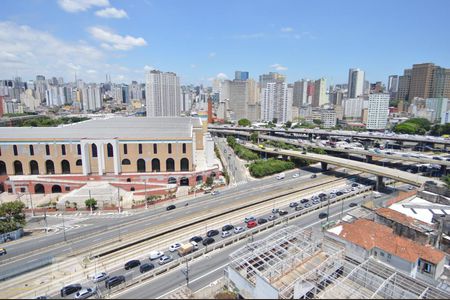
(215, 193)
(272, 217)
(165, 259)
(238, 229)
(296, 175)
(174, 247)
(225, 234)
(156, 254)
(100, 277)
(85, 293)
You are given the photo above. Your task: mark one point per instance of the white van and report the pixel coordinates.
(156, 254)
(281, 176)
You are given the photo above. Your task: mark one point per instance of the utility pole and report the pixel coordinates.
(145, 194)
(64, 227)
(187, 272)
(118, 198)
(31, 201)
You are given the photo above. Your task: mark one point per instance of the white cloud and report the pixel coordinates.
(113, 41)
(111, 12)
(212, 54)
(279, 67)
(91, 71)
(37, 52)
(73, 6)
(303, 34)
(287, 29)
(193, 66)
(220, 76)
(148, 68)
(249, 36)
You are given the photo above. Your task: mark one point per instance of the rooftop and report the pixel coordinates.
(403, 219)
(128, 128)
(368, 234)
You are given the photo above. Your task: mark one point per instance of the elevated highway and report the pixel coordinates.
(325, 160)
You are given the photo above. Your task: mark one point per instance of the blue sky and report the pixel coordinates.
(200, 40)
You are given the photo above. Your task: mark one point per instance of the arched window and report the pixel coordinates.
(184, 148)
(15, 150)
(132, 189)
(18, 170)
(39, 189)
(169, 148)
(34, 167)
(140, 148)
(47, 150)
(126, 161)
(172, 180)
(56, 189)
(63, 149)
(141, 165)
(94, 150)
(199, 178)
(156, 166)
(184, 181)
(128, 179)
(31, 150)
(109, 149)
(79, 149)
(184, 164)
(170, 165)
(3, 168)
(79, 162)
(65, 167)
(49, 167)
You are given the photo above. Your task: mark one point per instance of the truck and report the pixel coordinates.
(281, 176)
(187, 248)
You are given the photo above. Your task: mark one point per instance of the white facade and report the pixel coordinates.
(378, 111)
(320, 93)
(353, 108)
(439, 106)
(355, 83)
(90, 95)
(28, 100)
(328, 118)
(275, 103)
(162, 92)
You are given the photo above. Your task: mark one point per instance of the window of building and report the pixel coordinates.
(31, 150)
(155, 148)
(110, 150)
(140, 148)
(67, 188)
(15, 150)
(22, 190)
(126, 161)
(169, 148)
(79, 162)
(79, 149)
(94, 150)
(125, 149)
(63, 149)
(184, 148)
(375, 253)
(389, 256)
(427, 268)
(382, 254)
(47, 150)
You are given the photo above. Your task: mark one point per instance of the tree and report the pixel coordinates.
(288, 124)
(209, 181)
(254, 137)
(90, 203)
(446, 179)
(12, 216)
(317, 122)
(244, 122)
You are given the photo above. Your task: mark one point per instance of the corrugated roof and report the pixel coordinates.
(403, 219)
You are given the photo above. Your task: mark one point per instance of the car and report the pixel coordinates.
(85, 293)
(283, 212)
(226, 234)
(293, 204)
(298, 208)
(156, 254)
(353, 204)
(212, 233)
(170, 207)
(315, 201)
(275, 210)
(323, 199)
(100, 277)
(42, 297)
(113, 281)
(196, 239)
(165, 259)
(2, 251)
(132, 264)
(437, 158)
(272, 217)
(208, 241)
(174, 247)
(207, 192)
(410, 187)
(215, 193)
(251, 224)
(248, 219)
(70, 289)
(296, 175)
(262, 220)
(238, 229)
(313, 176)
(323, 215)
(339, 193)
(355, 185)
(303, 201)
(227, 227)
(146, 267)
(308, 205)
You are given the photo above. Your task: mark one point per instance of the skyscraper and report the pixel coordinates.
(300, 96)
(421, 81)
(355, 83)
(271, 77)
(275, 104)
(393, 83)
(162, 92)
(441, 83)
(378, 111)
(404, 82)
(320, 93)
(240, 75)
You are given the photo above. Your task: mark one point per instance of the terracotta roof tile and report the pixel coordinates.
(369, 234)
(401, 218)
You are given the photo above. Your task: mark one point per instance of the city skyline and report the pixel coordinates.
(125, 39)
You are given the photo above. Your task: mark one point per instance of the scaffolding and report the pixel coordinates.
(299, 265)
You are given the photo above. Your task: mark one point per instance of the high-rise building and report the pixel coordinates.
(404, 83)
(310, 91)
(240, 75)
(320, 93)
(274, 102)
(328, 118)
(238, 98)
(438, 106)
(441, 82)
(300, 96)
(356, 79)
(271, 77)
(353, 108)
(378, 111)
(162, 92)
(421, 81)
(243, 98)
(91, 97)
(393, 83)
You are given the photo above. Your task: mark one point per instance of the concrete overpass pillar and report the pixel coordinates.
(443, 169)
(380, 184)
(310, 136)
(324, 166)
(369, 158)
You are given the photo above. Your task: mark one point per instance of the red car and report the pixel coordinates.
(251, 224)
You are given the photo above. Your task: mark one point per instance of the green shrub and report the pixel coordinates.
(261, 168)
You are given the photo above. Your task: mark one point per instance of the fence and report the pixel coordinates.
(10, 236)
